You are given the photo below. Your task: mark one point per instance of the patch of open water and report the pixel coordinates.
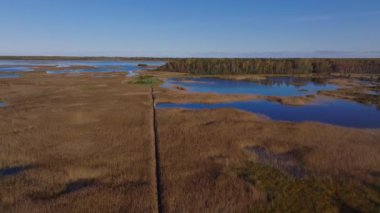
(97, 66)
(13, 170)
(76, 186)
(336, 112)
(9, 75)
(331, 111)
(14, 69)
(275, 86)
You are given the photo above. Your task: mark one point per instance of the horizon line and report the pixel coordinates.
(210, 54)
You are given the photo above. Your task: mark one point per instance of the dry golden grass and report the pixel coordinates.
(87, 145)
(92, 132)
(199, 148)
(176, 96)
(354, 90)
(293, 101)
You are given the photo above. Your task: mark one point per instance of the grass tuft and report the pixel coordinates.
(146, 80)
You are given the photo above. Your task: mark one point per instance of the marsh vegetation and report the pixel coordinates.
(146, 80)
(85, 143)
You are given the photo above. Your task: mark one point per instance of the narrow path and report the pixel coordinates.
(157, 170)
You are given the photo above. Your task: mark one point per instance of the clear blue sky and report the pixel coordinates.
(189, 27)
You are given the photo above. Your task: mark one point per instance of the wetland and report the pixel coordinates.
(71, 138)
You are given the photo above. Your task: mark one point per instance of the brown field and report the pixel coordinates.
(87, 145)
(72, 130)
(200, 148)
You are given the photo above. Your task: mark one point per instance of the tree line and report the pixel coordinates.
(272, 66)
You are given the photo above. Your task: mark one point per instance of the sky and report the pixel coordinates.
(191, 28)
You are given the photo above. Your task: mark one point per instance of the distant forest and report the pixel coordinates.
(272, 66)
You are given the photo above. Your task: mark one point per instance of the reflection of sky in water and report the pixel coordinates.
(106, 67)
(99, 66)
(13, 170)
(15, 69)
(276, 86)
(9, 75)
(373, 92)
(2, 104)
(67, 63)
(336, 112)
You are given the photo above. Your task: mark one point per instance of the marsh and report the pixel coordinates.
(85, 139)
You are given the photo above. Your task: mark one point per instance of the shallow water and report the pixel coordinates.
(13, 170)
(104, 67)
(98, 66)
(68, 63)
(9, 75)
(15, 69)
(373, 92)
(76, 186)
(275, 86)
(336, 112)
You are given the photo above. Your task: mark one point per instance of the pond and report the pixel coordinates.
(274, 86)
(336, 112)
